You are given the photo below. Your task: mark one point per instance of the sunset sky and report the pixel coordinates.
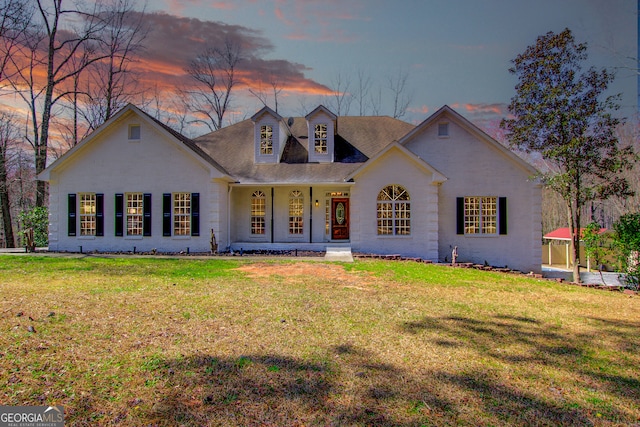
(455, 52)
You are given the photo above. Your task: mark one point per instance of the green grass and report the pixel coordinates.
(141, 342)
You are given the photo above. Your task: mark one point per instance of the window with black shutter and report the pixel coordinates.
(502, 215)
(460, 215)
(119, 208)
(166, 214)
(195, 214)
(71, 209)
(99, 214)
(146, 220)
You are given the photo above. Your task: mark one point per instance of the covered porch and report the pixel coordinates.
(289, 216)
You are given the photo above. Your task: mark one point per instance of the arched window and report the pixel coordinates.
(394, 211)
(296, 211)
(258, 211)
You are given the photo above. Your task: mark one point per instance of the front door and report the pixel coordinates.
(339, 219)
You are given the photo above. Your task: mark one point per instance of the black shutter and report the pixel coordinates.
(502, 215)
(119, 214)
(459, 215)
(99, 214)
(195, 214)
(166, 214)
(71, 223)
(146, 217)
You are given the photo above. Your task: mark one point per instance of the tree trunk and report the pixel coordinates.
(574, 233)
(5, 206)
(43, 143)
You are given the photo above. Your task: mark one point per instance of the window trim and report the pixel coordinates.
(168, 214)
(296, 213)
(91, 202)
(320, 148)
(258, 213)
(444, 126)
(134, 212)
(130, 132)
(388, 204)
(181, 205)
(498, 216)
(264, 137)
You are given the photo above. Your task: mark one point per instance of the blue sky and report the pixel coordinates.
(456, 52)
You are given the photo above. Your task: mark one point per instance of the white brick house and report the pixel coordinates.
(374, 184)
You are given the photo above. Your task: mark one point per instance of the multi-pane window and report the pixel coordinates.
(320, 138)
(266, 139)
(182, 214)
(394, 211)
(134, 214)
(480, 215)
(296, 211)
(87, 214)
(258, 211)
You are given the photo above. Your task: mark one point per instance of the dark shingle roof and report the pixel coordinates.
(188, 142)
(357, 140)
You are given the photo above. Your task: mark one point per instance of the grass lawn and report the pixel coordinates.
(169, 342)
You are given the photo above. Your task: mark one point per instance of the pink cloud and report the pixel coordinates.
(484, 108)
(224, 5)
(176, 7)
(419, 110)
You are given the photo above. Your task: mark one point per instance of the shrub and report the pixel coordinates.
(627, 241)
(36, 219)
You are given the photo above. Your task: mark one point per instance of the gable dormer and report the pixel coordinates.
(322, 129)
(269, 136)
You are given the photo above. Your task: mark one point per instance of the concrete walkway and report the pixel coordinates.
(592, 278)
(338, 253)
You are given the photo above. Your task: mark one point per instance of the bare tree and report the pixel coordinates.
(51, 46)
(8, 143)
(376, 102)
(111, 82)
(397, 84)
(340, 103)
(214, 73)
(263, 93)
(15, 16)
(362, 91)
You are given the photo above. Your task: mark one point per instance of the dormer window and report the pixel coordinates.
(321, 131)
(266, 139)
(269, 136)
(320, 138)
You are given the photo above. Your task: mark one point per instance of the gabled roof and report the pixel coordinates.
(452, 115)
(357, 140)
(437, 177)
(116, 118)
(265, 110)
(321, 108)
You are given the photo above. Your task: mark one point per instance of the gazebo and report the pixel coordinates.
(563, 235)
